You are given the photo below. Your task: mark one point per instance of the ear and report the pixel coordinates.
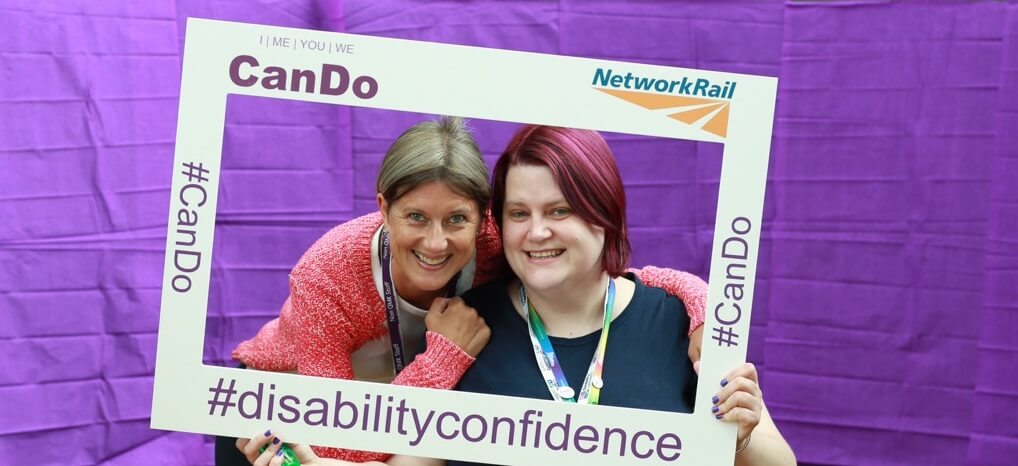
(383, 207)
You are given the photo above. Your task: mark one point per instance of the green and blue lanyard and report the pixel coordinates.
(554, 377)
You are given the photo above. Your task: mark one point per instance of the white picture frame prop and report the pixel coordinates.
(222, 58)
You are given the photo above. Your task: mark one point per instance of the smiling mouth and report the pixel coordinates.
(431, 261)
(548, 254)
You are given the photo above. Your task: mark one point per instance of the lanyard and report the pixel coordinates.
(390, 299)
(559, 387)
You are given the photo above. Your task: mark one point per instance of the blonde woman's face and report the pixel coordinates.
(433, 233)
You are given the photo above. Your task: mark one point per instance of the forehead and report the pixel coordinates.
(526, 183)
(435, 195)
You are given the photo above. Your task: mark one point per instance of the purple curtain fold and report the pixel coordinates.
(888, 280)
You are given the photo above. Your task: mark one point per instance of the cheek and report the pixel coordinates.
(597, 237)
(512, 235)
(401, 239)
(465, 240)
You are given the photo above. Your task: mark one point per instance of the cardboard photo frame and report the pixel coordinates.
(222, 58)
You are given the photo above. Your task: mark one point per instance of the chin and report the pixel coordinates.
(431, 283)
(541, 281)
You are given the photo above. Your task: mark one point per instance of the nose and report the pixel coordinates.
(436, 239)
(538, 230)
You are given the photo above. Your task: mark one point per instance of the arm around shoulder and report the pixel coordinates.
(689, 288)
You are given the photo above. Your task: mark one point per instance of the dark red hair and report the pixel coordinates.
(584, 168)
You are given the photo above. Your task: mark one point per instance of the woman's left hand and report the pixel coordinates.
(740, 400)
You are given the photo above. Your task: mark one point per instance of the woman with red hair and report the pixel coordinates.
(559, 202)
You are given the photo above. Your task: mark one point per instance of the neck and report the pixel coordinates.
(573, 310)
(413, 295)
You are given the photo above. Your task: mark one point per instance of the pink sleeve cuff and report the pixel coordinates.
(440, 366)
(446, 356)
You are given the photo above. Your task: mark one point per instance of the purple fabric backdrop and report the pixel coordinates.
(888, 280)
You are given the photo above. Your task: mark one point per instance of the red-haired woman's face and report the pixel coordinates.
(546, 244)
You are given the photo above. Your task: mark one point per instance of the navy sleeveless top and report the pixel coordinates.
(646, 364)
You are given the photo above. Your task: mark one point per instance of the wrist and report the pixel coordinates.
(745, 443)
(441, 348)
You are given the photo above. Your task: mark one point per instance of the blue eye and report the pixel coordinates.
(456, 219)
(517, 214)
(560, 212)
(417, 217)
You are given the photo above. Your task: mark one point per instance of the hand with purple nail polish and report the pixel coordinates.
(740, 400)
(268, 449)
(259, 448)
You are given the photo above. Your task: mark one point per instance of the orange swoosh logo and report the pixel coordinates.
(711, 114)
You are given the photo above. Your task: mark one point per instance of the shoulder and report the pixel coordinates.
(656, 301)
(339, 247)
(332, 282)
(489, 297)
(347, 238)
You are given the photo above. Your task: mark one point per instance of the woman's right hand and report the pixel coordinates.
(453, 319)
(250, 447)
(740, 400)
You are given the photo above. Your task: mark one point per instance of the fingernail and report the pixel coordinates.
(268, 433)
(279, 452)
(718, 416)
(275, 441)
(715, 399)
(715, 409)
(724, 382)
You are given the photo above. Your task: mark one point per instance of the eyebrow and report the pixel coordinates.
(461, 211)
(457, 211)
(562, 201)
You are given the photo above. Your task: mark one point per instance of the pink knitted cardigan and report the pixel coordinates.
(334, 308)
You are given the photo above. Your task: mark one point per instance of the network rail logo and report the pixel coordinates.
(697, 102)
